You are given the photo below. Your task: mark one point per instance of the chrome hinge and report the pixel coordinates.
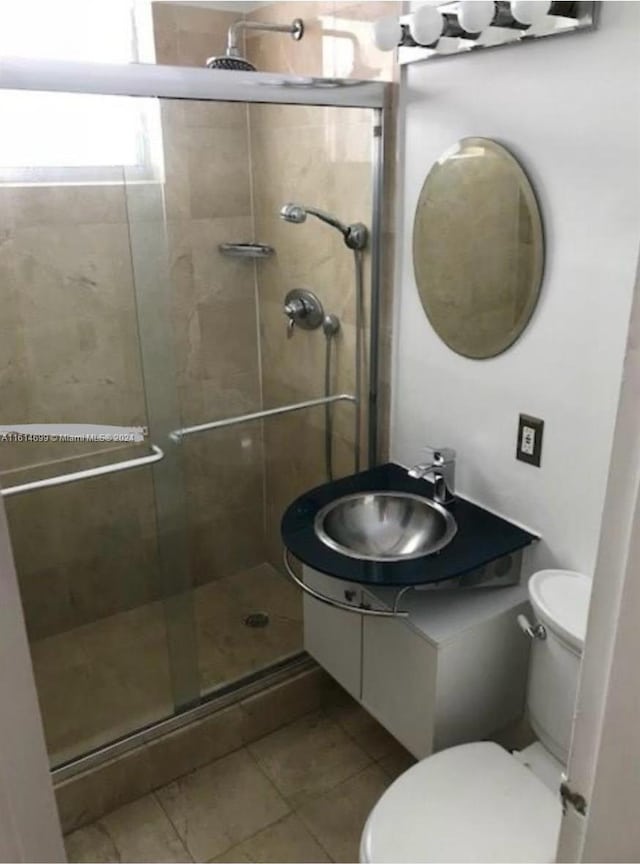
(575, 799)
(377, 131)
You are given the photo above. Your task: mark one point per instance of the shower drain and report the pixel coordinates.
(257, 619)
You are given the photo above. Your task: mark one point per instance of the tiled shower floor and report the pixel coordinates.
(300, 794)
(108, 678)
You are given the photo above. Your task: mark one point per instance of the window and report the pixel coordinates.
(59, 137)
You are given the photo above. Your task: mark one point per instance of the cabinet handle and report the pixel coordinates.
(337, 604)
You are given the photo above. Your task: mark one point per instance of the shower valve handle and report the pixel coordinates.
(295, 311)
(303, 308)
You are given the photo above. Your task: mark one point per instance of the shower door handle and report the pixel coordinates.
(112, 468)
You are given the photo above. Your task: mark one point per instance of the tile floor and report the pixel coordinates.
(300, 794)
(108, 678)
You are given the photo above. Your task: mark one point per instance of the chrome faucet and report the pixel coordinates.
(441, 471)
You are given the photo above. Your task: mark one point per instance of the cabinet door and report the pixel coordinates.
(331, 636)
(482, 676)
(398, 682)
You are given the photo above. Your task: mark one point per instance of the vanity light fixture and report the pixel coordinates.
(426, 25)
(530, 11)
(387, 33)
(476, 15)
(460, 26)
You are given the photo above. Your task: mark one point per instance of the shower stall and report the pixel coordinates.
(150, 571)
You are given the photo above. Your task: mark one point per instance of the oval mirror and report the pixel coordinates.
(478, 248)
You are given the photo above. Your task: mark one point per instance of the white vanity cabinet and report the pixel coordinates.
(331, 636)
(455, 670)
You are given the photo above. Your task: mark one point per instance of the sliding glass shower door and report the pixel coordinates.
(100, 615)
(149, 589)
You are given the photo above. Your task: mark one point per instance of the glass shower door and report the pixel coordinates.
(230, 167)
(148, 590)
(107, 609)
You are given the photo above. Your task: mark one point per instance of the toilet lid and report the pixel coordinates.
(474, 802)
(561, 600)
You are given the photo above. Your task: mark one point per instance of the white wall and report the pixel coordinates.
(605, 748)
(568, 109)
(29, 827)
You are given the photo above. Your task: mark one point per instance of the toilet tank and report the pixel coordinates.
(560, 600)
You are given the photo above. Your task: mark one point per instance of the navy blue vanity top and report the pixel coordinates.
(481, 537)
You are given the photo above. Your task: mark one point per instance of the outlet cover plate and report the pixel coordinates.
(529, 444)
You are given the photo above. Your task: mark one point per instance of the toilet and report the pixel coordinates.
(478, 802)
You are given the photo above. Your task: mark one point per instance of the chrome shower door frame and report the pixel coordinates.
(173, 82)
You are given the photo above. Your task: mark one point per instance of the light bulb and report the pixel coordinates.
(530, 11)
(387, 33)
(426, 25)
(449, 45)
(475, 15)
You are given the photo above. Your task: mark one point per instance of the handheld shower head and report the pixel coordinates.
(355, 236)
(293, 213)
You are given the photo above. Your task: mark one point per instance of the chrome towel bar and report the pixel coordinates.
(126, 465)
(258, 415)
(337, 604)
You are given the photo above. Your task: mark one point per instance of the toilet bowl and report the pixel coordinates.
(478, 802)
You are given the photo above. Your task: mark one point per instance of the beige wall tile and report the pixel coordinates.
(195, 745)
(89, 796)
(218, 163)
(224, 471)
(223, 545)
(186, 35)
(70, 205)
(164, 33)
(299, 695)
(272, 53)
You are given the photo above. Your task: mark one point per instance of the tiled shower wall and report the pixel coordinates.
(208, 202)
(319, 157)
(70, 354)
(69, 329)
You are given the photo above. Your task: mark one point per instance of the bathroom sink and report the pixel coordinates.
(385, 526)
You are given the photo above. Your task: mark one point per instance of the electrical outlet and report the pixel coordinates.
(529, 445)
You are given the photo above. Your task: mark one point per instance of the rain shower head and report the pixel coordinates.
(355, 235)
(233, 64)
(233, 60)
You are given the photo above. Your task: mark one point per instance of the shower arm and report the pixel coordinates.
(328, 218)
(355, 235)
(295, 30)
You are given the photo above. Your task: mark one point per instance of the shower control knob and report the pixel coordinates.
(303, 309)
(295, 309)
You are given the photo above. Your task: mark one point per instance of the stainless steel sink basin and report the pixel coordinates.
(385, 526)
